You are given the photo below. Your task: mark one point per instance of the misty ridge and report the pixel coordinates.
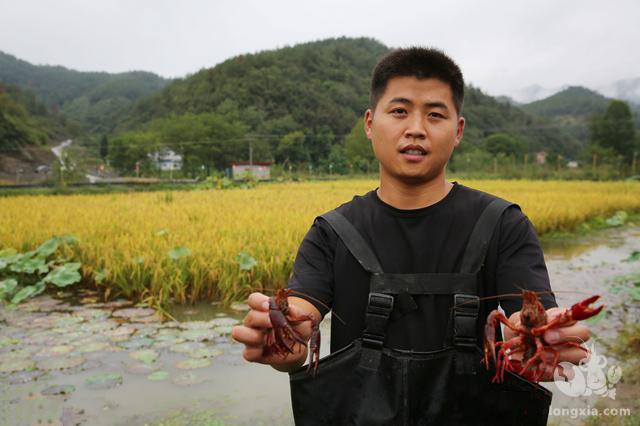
(299, 107)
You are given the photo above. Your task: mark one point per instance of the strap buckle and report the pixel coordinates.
(380, 304)
(379, 310)
(465, 311)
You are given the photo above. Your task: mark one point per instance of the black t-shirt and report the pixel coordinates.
(427, 240)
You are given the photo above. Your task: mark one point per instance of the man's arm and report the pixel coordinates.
(253, 334)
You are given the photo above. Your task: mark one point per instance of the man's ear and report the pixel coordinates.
(368, 118)
(459, 131)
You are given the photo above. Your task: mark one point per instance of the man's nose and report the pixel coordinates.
(416, 127)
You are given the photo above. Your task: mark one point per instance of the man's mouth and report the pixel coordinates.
(413, 150)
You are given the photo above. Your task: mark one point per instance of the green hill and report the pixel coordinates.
(25, 121)
(311, 85)
(97, 100)
(319, 89)
(574, 101)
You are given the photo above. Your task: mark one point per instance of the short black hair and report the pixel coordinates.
(419, 62)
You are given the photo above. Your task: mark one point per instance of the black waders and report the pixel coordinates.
(367, 383)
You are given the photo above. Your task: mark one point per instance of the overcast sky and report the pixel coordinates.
(502, 46)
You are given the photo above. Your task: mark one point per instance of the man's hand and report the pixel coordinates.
(570, 332)
(253, 334)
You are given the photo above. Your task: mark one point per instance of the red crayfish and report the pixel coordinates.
(282, 337)
(529, 341)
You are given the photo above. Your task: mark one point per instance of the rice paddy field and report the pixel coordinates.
(221, 244)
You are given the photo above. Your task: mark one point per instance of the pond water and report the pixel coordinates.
(110, 364)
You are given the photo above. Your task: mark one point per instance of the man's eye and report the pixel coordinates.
(436, 115)
(398, 111)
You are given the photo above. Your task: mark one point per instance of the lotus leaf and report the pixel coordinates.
(29, 265)
(158, 375)
(187, 379)
(226, 321)
(245, 261)
(67, 321)
(138, 343)
(133, 312)
(195, 325)
(187, 347)
(140, 368)
(93, 314)
(15, 364)
(223, 329)
(103, 381)
(178, 252)
(198, 335)
(192, 363)
(93, 347)
(148, 319)
(49, 247)
(64, 275)
(8, 287)
(22, 377)
(121, 333)
(55, 351)
(28, 291)
(146, 356)
(8, 341)
(146, 330)
(58, 390)
(240, 307)
(100, 326)
(60, 363)
(205, 353)
(118, 304)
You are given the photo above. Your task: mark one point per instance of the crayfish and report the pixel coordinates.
(282, 337)
(529, 341)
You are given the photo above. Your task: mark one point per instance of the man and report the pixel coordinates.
(404, 266)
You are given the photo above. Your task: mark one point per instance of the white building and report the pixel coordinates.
(166, 160)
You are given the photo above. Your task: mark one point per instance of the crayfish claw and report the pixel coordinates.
(581, 310)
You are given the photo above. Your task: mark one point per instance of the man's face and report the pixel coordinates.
(414, 129)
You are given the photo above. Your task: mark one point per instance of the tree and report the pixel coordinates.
(501, 143)
(131, 147)
(357, 147)
(614, 129)
(104, 147)
(291, 148)
(336, 162)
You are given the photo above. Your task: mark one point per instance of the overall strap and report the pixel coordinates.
(354, 241)
(478, 244)
(379, 305)
(466, 305)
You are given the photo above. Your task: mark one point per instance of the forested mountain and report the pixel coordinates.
(97, 100)
(573, 101)
(308, 86)
(25, 121)
(296, 104)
